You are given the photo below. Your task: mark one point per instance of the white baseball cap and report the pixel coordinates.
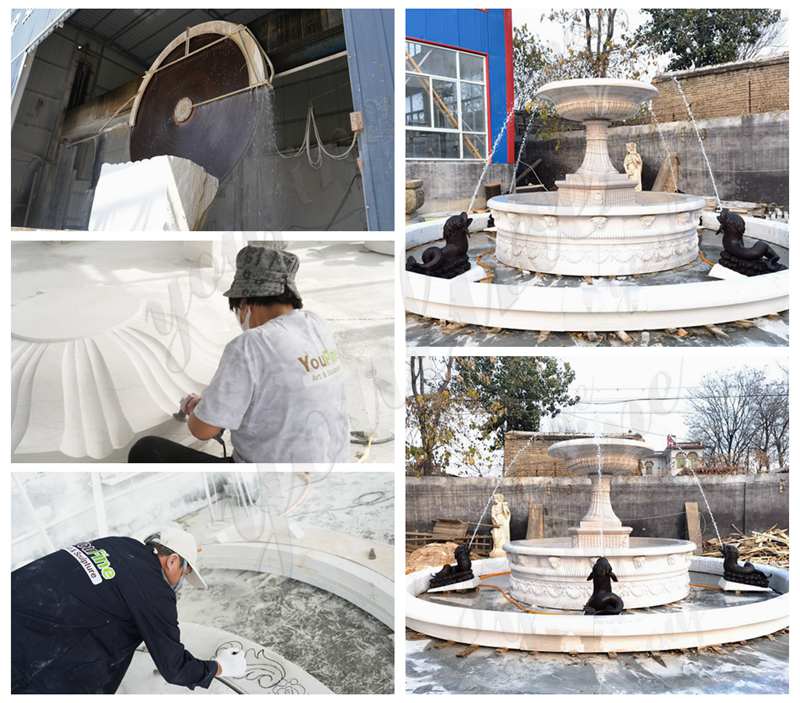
(183, 544)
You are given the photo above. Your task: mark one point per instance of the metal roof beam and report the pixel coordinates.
(108, 43)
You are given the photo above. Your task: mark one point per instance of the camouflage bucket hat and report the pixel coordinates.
(263, 272)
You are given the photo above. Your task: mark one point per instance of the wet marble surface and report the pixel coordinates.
(340, 645)
(345, 648)
(758, 666)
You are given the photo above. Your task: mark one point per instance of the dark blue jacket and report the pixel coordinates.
(78, 615)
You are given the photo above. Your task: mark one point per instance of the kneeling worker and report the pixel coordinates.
(279, 387)
(78, 615)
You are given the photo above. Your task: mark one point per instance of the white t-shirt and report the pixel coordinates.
(279, 389)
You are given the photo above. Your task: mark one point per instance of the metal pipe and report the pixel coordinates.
(310, 64)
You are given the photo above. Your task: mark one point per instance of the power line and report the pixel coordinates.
(681, 397)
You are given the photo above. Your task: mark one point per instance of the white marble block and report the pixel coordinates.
(165, 193)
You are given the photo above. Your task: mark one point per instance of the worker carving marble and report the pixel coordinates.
(279, 387)
(79, 614)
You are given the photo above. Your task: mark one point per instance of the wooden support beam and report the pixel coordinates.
(535, 521)
(693, 526)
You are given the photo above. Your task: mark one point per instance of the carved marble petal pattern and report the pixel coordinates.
(88, 396)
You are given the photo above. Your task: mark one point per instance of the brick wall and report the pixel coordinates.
(729, 90)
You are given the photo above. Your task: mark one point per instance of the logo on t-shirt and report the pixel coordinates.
(94, 561)
(322, 365)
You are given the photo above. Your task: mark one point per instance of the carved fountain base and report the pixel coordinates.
(656, 232)
(551, 573)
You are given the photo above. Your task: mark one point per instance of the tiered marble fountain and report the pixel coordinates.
(550, 575)
(596, 223)
(552, 572)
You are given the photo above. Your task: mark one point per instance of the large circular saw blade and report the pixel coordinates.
(167, 117)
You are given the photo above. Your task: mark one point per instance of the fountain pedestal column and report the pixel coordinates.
(600, 529)
(596, 182)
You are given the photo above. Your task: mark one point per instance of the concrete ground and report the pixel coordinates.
(757, 666)
(772, 330)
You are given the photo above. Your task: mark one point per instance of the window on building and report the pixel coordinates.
(680, 460)
(693, 460)
(445, 103)
(648, 468)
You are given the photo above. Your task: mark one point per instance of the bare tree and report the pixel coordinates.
(741, 416)
(723, 417)
(777, 411)
(601, 44)
(769, 41)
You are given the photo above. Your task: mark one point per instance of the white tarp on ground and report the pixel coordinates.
(165, 193)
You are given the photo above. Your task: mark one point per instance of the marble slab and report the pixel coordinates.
(268, 673)
(164, 193)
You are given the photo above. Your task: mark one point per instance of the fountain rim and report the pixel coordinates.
(590, 633)
(599, 83)
(538, 547)
(593, 442)
(592, 90)
(572, 450)
(320, 559)
(676, 204)
(601, 308)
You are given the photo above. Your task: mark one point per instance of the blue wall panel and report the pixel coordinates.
(475, 30)
(369, 35)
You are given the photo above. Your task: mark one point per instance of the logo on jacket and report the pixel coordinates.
(95, 562)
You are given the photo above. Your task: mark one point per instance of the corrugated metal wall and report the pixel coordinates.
(485, 31)
(39, 165)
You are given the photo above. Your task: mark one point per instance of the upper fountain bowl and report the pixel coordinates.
(597, 98)
(585, 456)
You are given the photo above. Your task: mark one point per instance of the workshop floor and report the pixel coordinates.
(343, 647)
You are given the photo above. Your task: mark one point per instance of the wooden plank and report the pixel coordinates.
(693, 526)
(450, 530)
(535, 521)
